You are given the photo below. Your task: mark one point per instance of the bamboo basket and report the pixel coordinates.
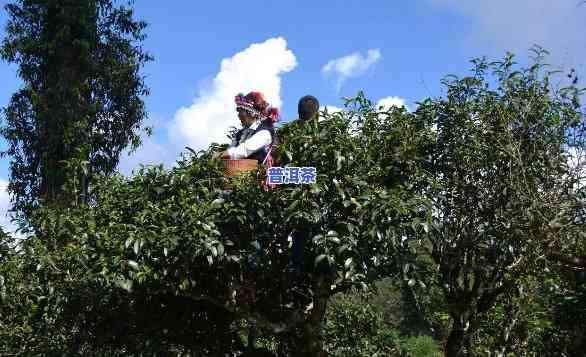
(235, 167)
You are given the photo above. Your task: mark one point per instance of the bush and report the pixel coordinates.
(419, 346)
(356, 327)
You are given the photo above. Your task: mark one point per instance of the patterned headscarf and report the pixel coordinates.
(255, 104)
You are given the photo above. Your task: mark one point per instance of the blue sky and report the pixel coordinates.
(207, 51)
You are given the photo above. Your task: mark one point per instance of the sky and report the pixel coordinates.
(397, 52)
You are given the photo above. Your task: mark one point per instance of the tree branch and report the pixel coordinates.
(573, 262)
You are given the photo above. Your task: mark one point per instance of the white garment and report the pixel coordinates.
(251, 145)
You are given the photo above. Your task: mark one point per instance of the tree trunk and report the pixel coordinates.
(457, 339)
(252, 335)
(311, 343)
(512, 313)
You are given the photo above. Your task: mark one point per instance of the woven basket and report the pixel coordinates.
(235, 167)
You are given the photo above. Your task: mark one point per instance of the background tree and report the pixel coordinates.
(507, 188)
(80, 99)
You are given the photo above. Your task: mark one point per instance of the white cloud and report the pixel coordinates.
(330, 108)
(577, 165)
(350, 66)
(259, 67)
(7, 226)
(149, 153)
(385, 102)
(558, 25)
(153, 150)
(388, 102)
(333, 109)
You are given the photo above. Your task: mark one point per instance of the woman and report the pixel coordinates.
(255, 139)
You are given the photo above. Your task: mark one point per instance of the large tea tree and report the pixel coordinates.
(80, 100)
(168, 261)
(508, 169)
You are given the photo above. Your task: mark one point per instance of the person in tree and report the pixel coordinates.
(307, 109)
(254, 141)
(257, 136)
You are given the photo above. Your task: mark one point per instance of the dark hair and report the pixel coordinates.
(308, 107)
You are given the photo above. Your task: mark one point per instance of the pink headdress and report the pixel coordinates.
(255, 104)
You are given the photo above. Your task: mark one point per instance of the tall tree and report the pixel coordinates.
(508, 174)
(81, 102)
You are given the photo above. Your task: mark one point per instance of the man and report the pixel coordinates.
(307, 109)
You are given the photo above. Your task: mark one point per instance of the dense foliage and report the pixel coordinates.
(506, 193)
(160, 239)
(450, 227)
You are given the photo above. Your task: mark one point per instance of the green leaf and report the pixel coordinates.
(293, 205)
(339, 159)
(319, 258)
(133, 264)
(347, 263)
(184, 285)
(218, 202)
(342, 248)
(335, 240)
(331, 261)
(317, 238)
(125, 284)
